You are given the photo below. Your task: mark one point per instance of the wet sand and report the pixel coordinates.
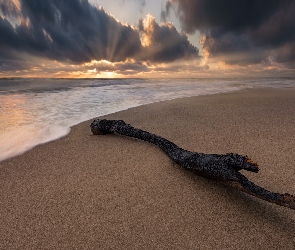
(113, 192)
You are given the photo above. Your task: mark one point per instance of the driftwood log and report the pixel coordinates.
(221, 167)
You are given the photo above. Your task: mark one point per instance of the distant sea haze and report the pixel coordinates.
(35, 111)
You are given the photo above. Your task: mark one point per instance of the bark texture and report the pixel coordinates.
(221, 167)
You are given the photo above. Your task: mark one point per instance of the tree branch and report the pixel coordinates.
(221, 167)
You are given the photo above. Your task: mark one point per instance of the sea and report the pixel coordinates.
(36, 111)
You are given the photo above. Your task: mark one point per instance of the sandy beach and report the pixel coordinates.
(113, 192)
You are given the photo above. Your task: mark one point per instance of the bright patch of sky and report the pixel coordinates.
(130, 11)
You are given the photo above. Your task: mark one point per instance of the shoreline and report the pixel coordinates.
(14, 142)
(114, 192)
(65, 130)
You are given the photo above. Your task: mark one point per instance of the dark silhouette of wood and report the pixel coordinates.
(221, 167)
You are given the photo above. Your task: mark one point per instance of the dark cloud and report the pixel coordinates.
(166, 12)
(225, 15)
(285, 54)
(232, 26)
(163, 42)
(74, 30)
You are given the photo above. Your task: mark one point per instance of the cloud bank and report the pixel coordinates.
(241, 32)
(77, 32)
(73, 37)
(163, 43)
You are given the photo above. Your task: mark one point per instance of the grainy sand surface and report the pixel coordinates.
(113, 192)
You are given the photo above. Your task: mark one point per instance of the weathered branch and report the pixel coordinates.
(224, 168)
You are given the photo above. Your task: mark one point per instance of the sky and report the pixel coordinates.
(147, 38)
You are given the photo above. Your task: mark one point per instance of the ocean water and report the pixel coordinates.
(35, 111)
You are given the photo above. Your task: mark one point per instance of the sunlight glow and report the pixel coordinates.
(91, 70)
(107, 74)
(206, 53)
(97, 63)
(148, 30)
(17, 4)
(16, 113)
(47, 35)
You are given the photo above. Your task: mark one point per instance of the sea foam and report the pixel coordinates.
(35, 111)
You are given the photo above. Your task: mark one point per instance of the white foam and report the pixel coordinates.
(24, 138)
(43, 110)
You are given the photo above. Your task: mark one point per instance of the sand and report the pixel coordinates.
(113, 192)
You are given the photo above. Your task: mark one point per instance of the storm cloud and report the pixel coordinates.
(163, 43)
(255, 30)
(75, 31)
(71, 30)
